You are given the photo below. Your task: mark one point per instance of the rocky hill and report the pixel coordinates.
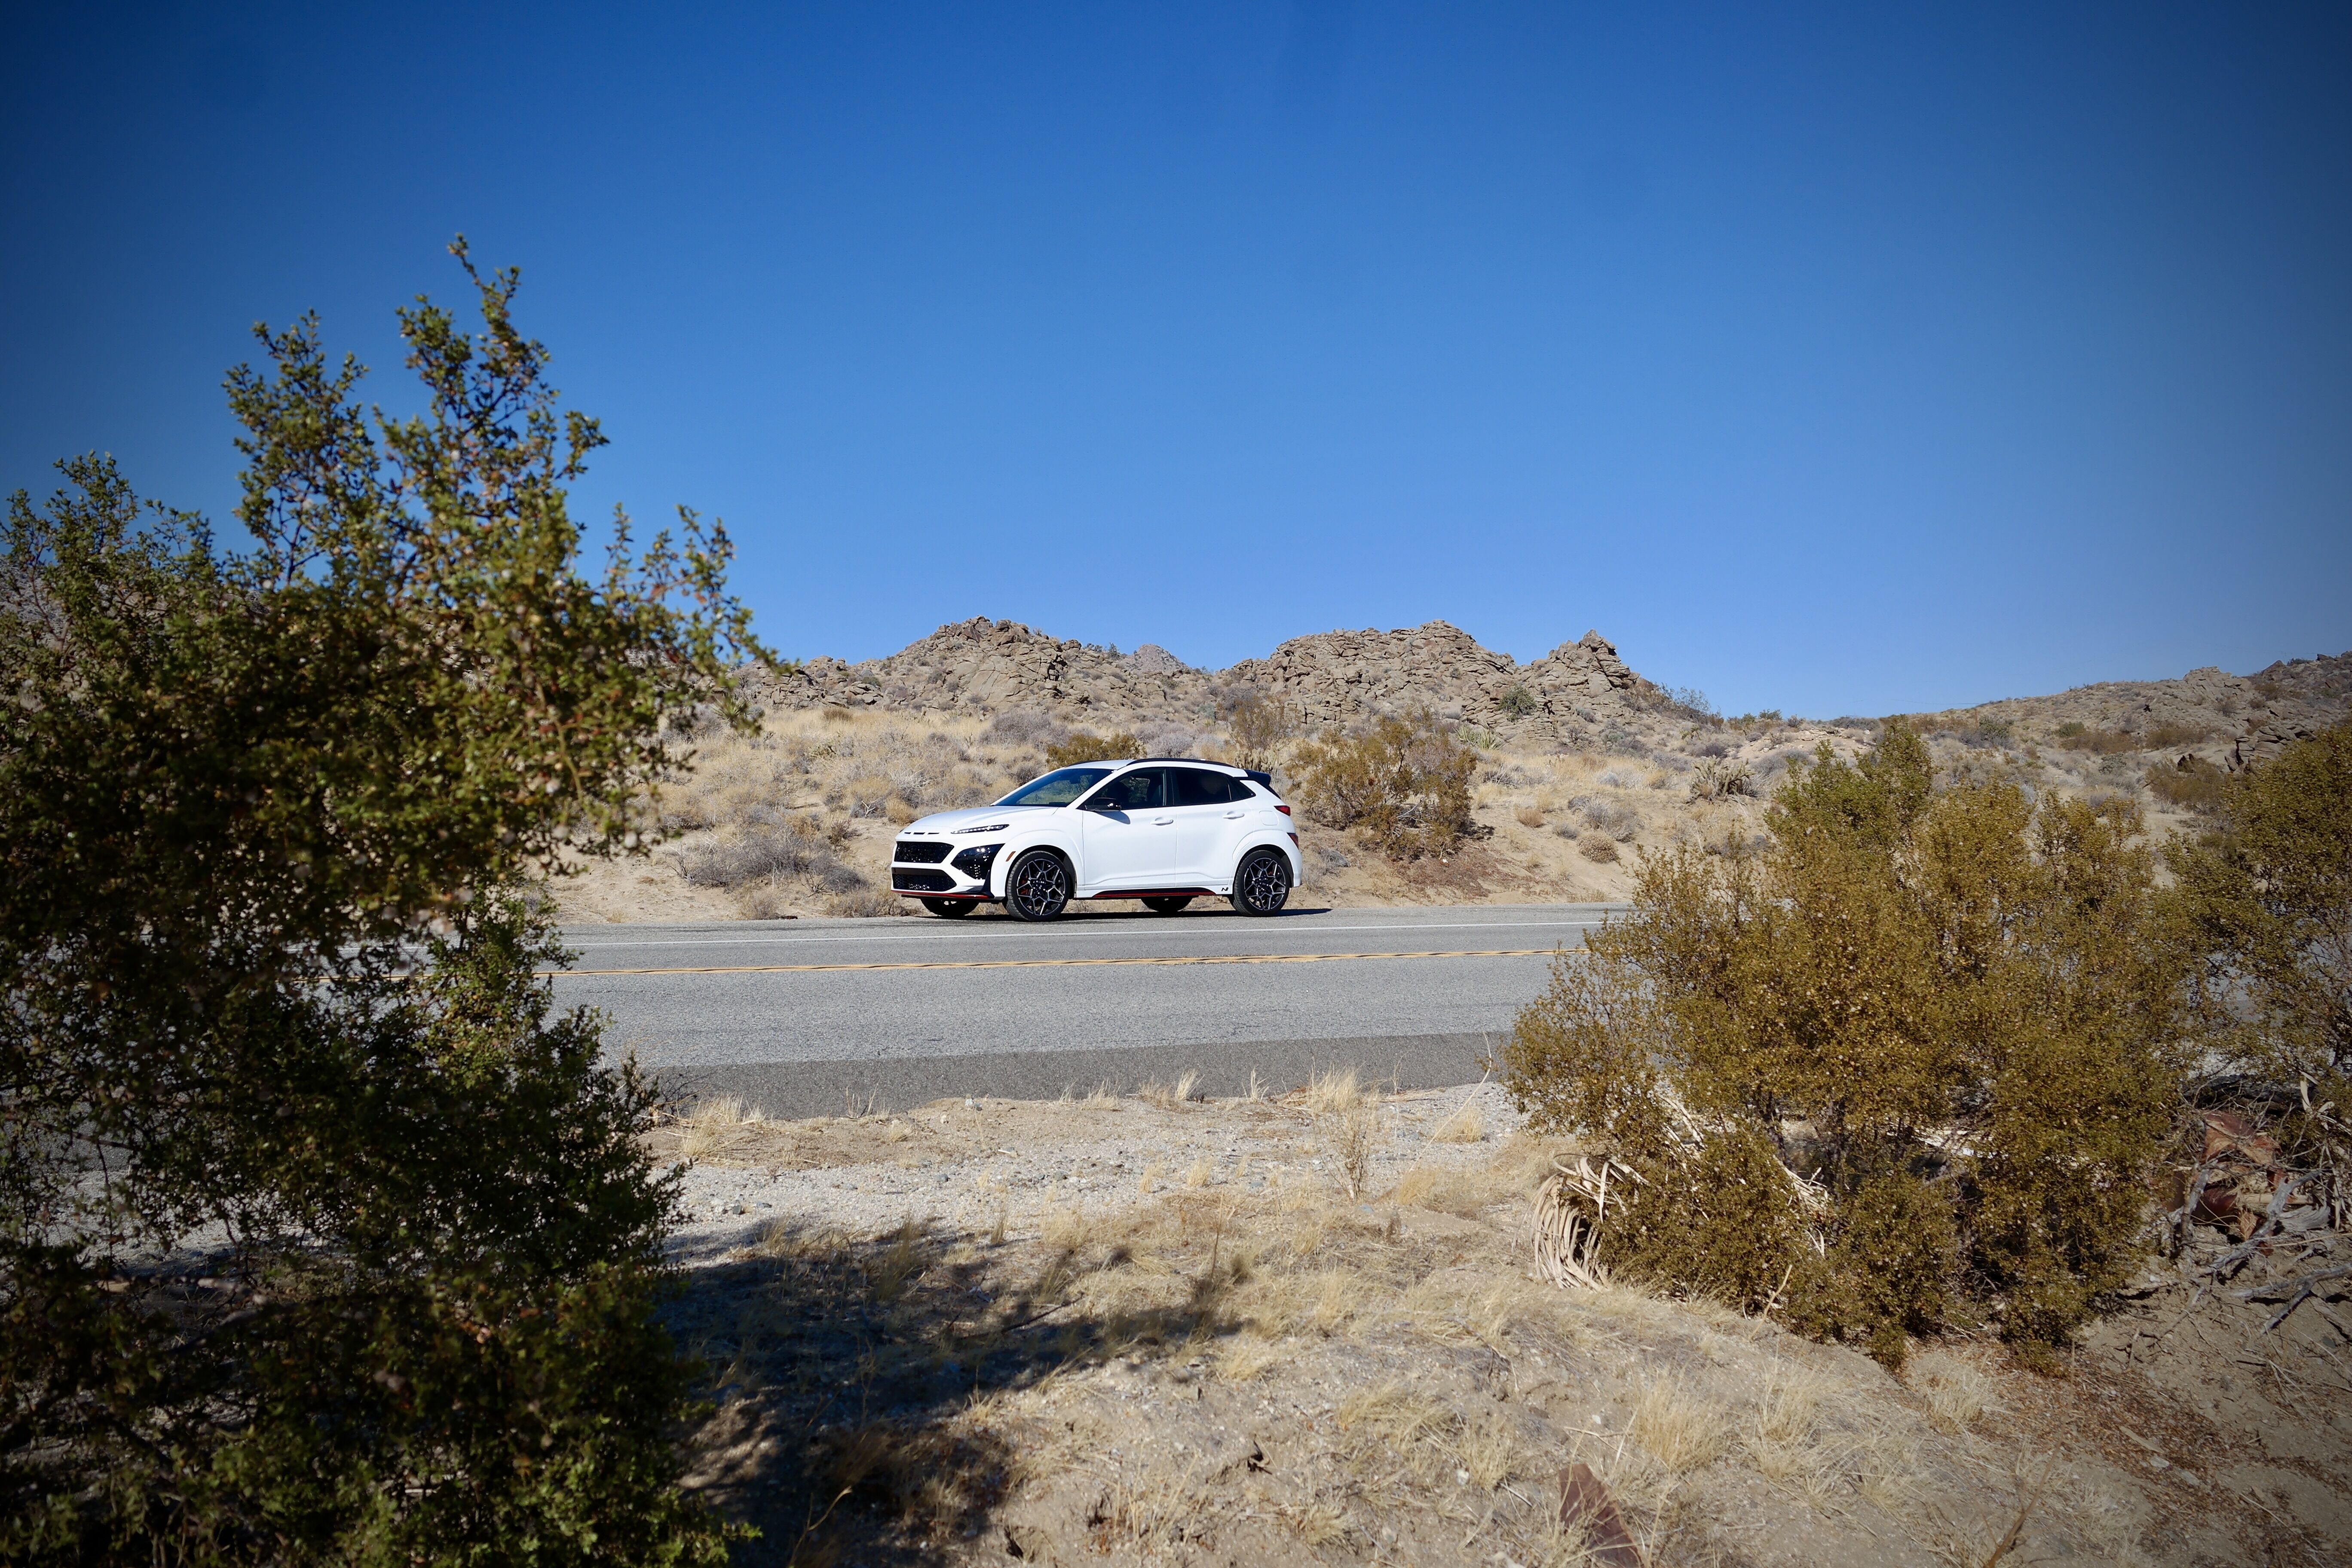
(1580, 694)
(2233, 720)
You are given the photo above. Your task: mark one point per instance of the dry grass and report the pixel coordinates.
(1167, 1097)
(1682, 1426)
(1411, 1390)
(1958, 1393)
(1465, 1124)
(713, 1126)
(1347, 1120)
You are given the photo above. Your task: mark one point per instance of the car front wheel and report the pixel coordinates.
(1038, 887)
(1262, 882)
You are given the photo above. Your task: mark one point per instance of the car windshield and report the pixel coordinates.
(1058, 788)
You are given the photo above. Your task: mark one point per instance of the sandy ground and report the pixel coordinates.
(1156, 1329)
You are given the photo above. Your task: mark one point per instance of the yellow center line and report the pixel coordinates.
(1066, 962)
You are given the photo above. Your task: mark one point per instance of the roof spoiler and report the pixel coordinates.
(1257, 777)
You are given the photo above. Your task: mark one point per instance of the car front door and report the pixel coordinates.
(1208, 824)
(1126, 840)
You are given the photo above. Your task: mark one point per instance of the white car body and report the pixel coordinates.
(1184, 847)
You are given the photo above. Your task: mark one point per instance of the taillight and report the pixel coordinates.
(1282, 808)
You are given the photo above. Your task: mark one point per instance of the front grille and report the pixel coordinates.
(908, 882)
(920, 854)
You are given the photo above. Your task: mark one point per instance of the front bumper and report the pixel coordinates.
(939, 869)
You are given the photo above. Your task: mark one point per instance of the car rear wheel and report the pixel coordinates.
(1165, 906)
(950, 909)
(1038, 887)
(1262, 882)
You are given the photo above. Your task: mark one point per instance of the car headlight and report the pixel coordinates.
(975, 861)
(992, 827)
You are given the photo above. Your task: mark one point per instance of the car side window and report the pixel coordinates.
(1195, 786)
(1136, 791)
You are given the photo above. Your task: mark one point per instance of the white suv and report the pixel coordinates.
(1166, 830)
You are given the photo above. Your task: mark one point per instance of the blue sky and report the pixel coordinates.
(1833, 360)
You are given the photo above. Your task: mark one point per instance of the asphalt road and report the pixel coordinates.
(809, 1016)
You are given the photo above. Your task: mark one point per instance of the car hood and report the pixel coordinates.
(945, 822)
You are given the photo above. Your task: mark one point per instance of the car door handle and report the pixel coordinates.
(1235, 816)
(1161, 821)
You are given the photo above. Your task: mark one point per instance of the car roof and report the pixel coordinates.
(1227, 768)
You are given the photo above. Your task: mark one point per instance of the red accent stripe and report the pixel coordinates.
(1155, 893)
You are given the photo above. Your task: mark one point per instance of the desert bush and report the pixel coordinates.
(1603, 815)
(1019, 725)
(1529, 816)
(1596, 848)
(768, 852)
(1923, 1046)
(1692, 703)
(1085, 747)
(1718, 778)
(1258, 729)
(2175, 732)
(1403, 784)
(1165, 740)
(1518, 702)
(1986, 732)
(326, 1238)
(2191, 782)
(2072, 728)
(2269, 895)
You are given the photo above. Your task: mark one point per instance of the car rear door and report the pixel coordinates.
(1207, 825)
(1124, 835)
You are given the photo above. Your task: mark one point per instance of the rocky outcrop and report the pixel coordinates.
(981, 666)
(1153, 660)
(1576, 693)
(2234, 720)
(1580, 693)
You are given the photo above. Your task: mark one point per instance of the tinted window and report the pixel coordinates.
(1136, 791)
(1195, 787)
(1058, 788)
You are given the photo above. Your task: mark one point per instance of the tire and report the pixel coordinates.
(1038, 887)
(1262, 882)
(948, 909)
(1165, 906)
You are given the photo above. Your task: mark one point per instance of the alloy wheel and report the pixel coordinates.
(1039, 887)
(1262, 886)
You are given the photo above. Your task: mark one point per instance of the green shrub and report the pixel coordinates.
(2072, 728)
(1403, 784)
(325, 1238)
(2269, 893)
(1518, 702)
(1957, 1012)
(1083, 747)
